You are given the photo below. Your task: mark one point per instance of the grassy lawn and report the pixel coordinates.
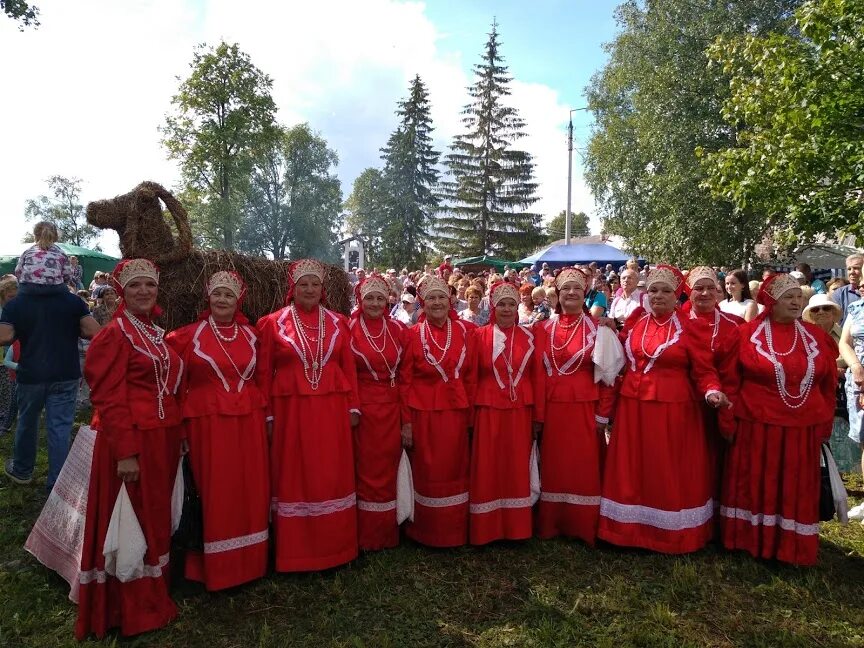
(545, 594)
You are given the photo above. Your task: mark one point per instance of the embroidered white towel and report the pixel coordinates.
(608, 356)
(404, 491)
(534, 468)
(838, 490)
(177, 496)
(125, 545)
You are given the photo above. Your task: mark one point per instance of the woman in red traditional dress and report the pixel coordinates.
(133, 376)
(376, 341)
(436, 416)
(719, 332)
(223, 412)
(657, 491)
(506, 367)
(575, 410)
(782, 381)
(306, 371)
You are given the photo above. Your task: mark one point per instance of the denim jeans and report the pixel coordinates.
(58, 401)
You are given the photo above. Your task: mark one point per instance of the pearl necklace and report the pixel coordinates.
(780, 373)
(508, 362)
(660, 349)
(218, 334)
(426, 333)
(580, 353)
(716, 325)
(574, 326)
(385, 333)
(160, 356)
(314, 371)
(250, 370)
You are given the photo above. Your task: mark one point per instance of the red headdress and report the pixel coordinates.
(774, 287)
(373, 284)
(697, 274)
(669, 275)
(129, 269)
(498, 291)
(302, 268)
(431, 284)
(565, 276)
(233, 282)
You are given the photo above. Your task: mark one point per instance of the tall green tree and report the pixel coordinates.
(63, 208)
(797, 106)
(490, 184)
(368, 209)
(655, 103)
(222, 119)
(25, 13)
(579, 226)
(293, 203)
(411, 179)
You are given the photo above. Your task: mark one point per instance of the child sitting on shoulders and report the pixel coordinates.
(43, 267)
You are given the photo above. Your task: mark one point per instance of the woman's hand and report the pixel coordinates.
(608, 321)
(355, 419)
(407, 436)
(858, 374)
(718, 400)
(127, 469)
(184, 447)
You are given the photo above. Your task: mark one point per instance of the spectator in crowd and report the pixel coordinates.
(738, 299)
(852, 351)
(834, 284)
(43, 267)
(474, 313)
(595, 298)
(817, 285)
(103, 312)
(8, 407)
(848, 294)
(407, 313)
(458, 304)
(77, 272)
(526, 304)
(48, 326)
(628, 300)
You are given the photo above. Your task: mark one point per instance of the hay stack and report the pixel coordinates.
(138, 219)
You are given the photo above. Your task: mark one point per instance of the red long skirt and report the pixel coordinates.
(500, 488)
(142, 604)
(657, 490)
(312, 482)
(377, 450)
(439, 468)
(571, 457)
(770, 501)
(229, 464)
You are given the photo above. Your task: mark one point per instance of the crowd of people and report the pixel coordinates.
(644, 407)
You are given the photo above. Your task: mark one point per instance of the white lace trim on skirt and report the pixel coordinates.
(441, 502)
(239, 542)
(100, 576)
(376, 507)
(668, 520)
(504, 503)
(314, 509)
(570, 498)
(761, 519)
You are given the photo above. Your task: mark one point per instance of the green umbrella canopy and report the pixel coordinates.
(487, 262)
(90, 260)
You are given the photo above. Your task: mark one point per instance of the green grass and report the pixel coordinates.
(544, 594)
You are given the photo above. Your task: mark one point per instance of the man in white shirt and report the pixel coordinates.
(629, 299)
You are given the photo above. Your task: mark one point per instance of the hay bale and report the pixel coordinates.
(140, 222)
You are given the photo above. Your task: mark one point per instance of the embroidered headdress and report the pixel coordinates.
(697, 274)
(226, 279)
(503, 290)
(430, 284)
(774, 287)
(305, 267)
(666, 274)
(373, 284)
(129, 269)
(571, 274)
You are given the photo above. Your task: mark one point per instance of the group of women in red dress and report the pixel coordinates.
(295, 428)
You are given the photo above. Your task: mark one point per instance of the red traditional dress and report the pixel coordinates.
(133, 377)
(306, 370)
(434, 399)
(782, 383)
(500, 489)
(377, 347)
(571, 450)
(224, 419)
(657, 490)
(719, 332)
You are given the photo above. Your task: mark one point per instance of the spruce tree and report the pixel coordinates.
(490, 184)
(410, 179)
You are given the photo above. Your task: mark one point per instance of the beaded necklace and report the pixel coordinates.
(793, 401)
(580, 353)
(250, 370)
(160, 355)
(426, 334)
(508, 361)
(385, 333)
(661, 348)
(312, 371)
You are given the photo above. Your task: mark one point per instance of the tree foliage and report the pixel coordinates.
(579, 226)
(292, 206)
(410, 177)
(655, 103)
(490, 183)
(25, 13)
(797, 107)
(63, 208)
(368, 210)
(223, 118)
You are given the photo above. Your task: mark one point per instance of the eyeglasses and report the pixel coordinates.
(821, 309)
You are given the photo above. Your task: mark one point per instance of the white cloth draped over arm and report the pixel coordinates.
(177, 496)
(125, 544)
(608, 356)
(534, 473)
(404, 491)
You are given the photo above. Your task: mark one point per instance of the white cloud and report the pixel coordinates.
(86, 92)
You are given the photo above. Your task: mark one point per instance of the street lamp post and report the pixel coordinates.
(569, 218)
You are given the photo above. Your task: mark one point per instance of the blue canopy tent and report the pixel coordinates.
(560, 255)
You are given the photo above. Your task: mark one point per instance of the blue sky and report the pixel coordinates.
(100, 75)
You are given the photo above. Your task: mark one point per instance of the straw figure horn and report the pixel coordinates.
(144, 231)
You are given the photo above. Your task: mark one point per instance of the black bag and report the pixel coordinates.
(190, 531)
(826, 495)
